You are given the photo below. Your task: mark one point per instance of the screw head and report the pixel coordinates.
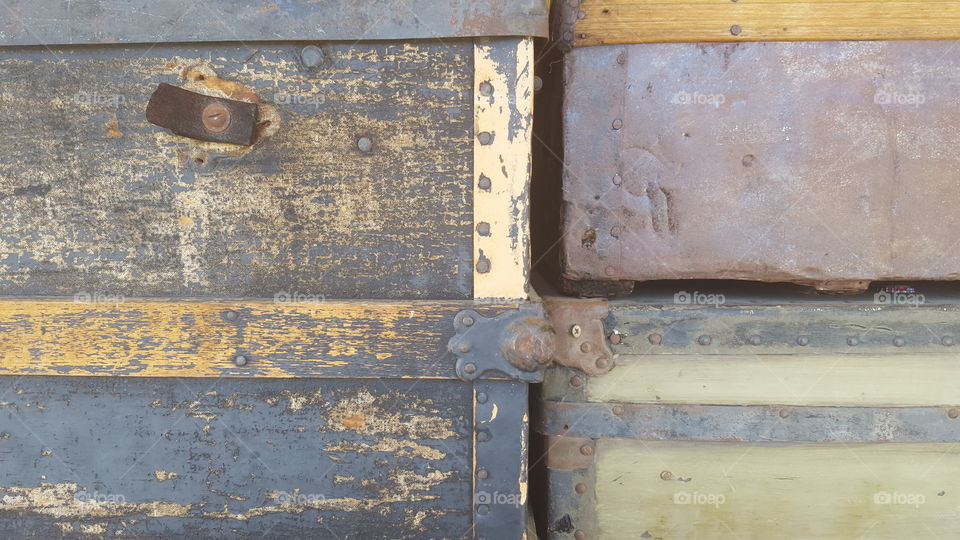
(230, 315)
(483, 474)
(617, 124)
(705, 340)
(947, 341)
(852, 341)
(576, 331)
(467, 320)
(803, 341)
(576, 381)
(311, 56)
(470, 368)
(580, 489)
(899, 342)
(215, 118)
(240, 360)
(586, 450)
(953, 413)
(655, 339)
(364, 144)
(486, 89)
(485, 137)
(755, 340)
(481, 397)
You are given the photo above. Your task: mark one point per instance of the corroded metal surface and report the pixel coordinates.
(581, 340)
(173, 458)
(826, 164)
(38, 22)
(202, 117)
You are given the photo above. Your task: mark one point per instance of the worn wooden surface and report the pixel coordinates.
(817, 163)
(643, 21)
(97, 200)
(349, 339)
(677, 490)
(190, 458)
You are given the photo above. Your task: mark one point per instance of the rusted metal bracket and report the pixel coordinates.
(516, 345)
(202, 117)
(581, 340)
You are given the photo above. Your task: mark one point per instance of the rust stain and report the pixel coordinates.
(379, 420)
(269, 7)
(354, 421)
(113, 128)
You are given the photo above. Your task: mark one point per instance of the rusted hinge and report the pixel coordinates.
(202, 117)
(581, 340)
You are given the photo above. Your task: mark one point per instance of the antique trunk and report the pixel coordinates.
(264, 268)
(756, 141)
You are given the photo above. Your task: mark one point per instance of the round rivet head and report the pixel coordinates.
(483, 266)
(576, 331)
(586, 450)
(618, 410)
(784, 413)
(470, 369)
(586, 347)
(467, 321)
(576, 381)
(602, 363)
(705, 340)
(481, 397)
(215, 118)
(852, 341)
(230, 315)
(364, 144)
(486, 89)
(617, 124)
(621, 59)
(483, 509)
(483, 228)
(581, 15)
(610, 271)
(579, 535)
(616, 338)
(803, 341)
(485, 137)
(617, 180)
(736, 30)
(580, 489)
(537, 83)
(240, 360)
(615, 232)
(953, 413)
(464, 347)
(311, 56)
(947, 341)
(483, 436)
(483, 474)
(755, 340)
(655, 339)
(666, 475)
(484, 182)
(899, 342)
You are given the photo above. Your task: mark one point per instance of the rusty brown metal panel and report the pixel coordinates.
(829, 164)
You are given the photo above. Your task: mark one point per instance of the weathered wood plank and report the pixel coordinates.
(143, 338)
(674, 490)
(171, 458)
(647, 21)
(96, 199)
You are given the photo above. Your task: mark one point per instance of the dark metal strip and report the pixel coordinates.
(750, 423)
(52, 22)
(201, 117)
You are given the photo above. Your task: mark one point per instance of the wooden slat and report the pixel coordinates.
(675, 490)
(143, 338)
(831, 380)
(647, 21)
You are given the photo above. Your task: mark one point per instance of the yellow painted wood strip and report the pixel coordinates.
(649, 21)
(190, 338)
(829, 380)
(503, 123)
(703, 491)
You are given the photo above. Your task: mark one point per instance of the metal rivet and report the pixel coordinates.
(215, 117)
(617, 180)
(735, 29)
(617, 124)
(586, 450)
(486, 89)
(784, 413)
(467, 320)
(602, 363)
(537, 83)
(240, 360)
(579, 535)
(586, 347)
(947, 341)
(852, 341)
(618, 410)
(483, 265)
(311, 56)
(655, 339)
(803, 341)
(483, 474)
(470, 369)
(616, 338)
(483, 436)
(666, 475)
(485, 137)
(580, 489)
(748, 160)
(481, 397)
(581, 15)
(610, 271)
(484, 183)
(705, 340)
(755, 340)
(576, 381)
(230, 315)
(583, 36)
(615, 232)
(953, 413)
(576, 331)
(483, 228)
(899, 342)
(464, 347)
(621, 59)
(364, 144)
(483, 509)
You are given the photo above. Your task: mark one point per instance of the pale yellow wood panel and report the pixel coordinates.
(702, 491)
(840, 380)
(645, 21)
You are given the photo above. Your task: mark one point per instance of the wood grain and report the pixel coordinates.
(649, 21)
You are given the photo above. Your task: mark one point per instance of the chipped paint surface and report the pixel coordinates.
(99, 201)
(246, 466)
(503, 111)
